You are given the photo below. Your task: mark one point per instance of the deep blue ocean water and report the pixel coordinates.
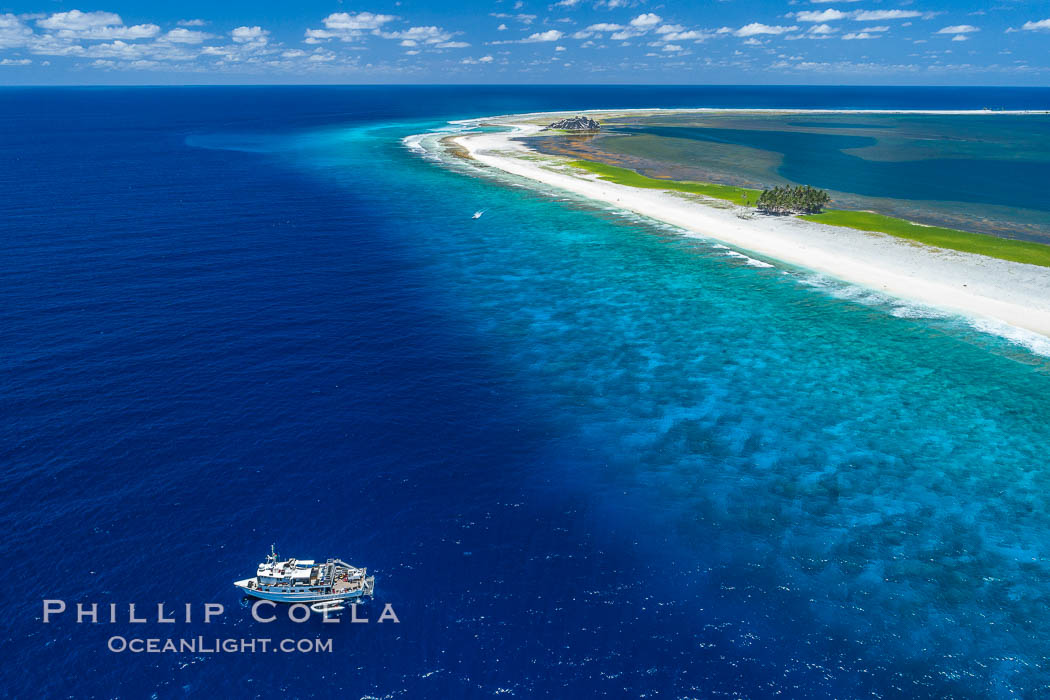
(583, 456)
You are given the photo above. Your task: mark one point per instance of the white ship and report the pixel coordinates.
(304, 581)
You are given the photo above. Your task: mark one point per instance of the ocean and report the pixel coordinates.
(583, 455)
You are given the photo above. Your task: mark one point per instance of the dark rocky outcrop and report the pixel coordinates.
(575, 124)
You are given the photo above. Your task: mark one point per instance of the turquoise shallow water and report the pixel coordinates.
(871, 472)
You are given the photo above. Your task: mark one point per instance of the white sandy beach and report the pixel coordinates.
(982, 288)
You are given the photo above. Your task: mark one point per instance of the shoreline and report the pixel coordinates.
(974, 286)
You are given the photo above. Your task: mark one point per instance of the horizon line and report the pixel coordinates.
(527, 85)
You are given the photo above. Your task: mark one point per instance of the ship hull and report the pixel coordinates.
(279, 597)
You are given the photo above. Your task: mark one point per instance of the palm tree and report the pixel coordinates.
(802, 199)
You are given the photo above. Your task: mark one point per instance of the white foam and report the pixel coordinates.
(1029, 340)
(869, 297)
(414, 143)
(918, 311)
(746, 258)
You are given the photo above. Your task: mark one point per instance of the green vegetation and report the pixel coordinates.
(625, 176)
(992, 246)
(793, 200)
(952, 239)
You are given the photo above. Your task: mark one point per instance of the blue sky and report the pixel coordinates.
(528, 41)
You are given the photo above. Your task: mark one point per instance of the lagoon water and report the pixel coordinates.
(584, 456)
(982, 171)
(827, 159)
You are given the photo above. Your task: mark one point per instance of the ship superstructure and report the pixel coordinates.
(305, 581)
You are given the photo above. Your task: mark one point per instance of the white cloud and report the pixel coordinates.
(877, 15)
(49, 45)
(828, 15)
(691, 35)
(347, 21)
(15, 62)
(549, 35)
(419, 35)
(249, 45)
(13, 32)
(77, 21)
(846, 67)
(822, 29)
(118, 49)
(523, 18)
(185, 36)
(536, 38)
(138, 31)
(646, 21)
(639, 26)
(676, 32)
(105, 37)
(435, 37)
(758, 28)
(254, 35)
(347, 26)
(99, 26)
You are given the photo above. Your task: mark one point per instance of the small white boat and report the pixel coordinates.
(304, 581)
(327, 606)
(477, 214)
